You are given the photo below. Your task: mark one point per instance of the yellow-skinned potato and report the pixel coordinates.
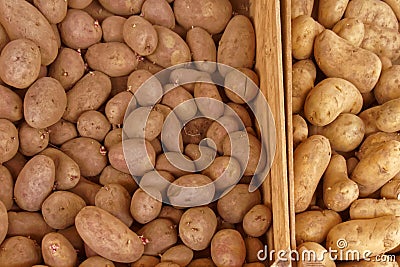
(329, 98)
(377, 167)
(301, 7)
(369, 208)
(377, 235)
(304, 31)
(320, 252)
(351, 29)
(331, 11)
(369, 118)
(311, 158)
(382, 41)
(395, 6)
(338, 58)
(339, 190)
(303, 78)
(388, 116)
(389, 82)
(58, 251)
(391, 190)
(373, 141)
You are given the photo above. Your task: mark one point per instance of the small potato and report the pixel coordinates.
(122, 7)
(20, 63)
(115, 199)
(391, 190)
(385, 89)
(143, 122)
(300, 130)
(150, 87)
(4, 39)
(225, 171)
(382, 41)
(301, 7)
(73, 237)
(143, 206)
(338, 58)
(54, 11)
(60, 209)
(237, 45)
(351, 29)
(79, 4)
(10, 105)
(125, 161)
(19, 251)
(68, 67)
(314, 225)
(171, 213)
(304, 31)
(7, 188)
(176, 96)
(61, 132)
(113, 58)
(303, 78)
(28, 224)
(211, 15)
(96, 10)
(320, 254)
(208, 100)
(86, 190)
(117, 106)
(158, 12)
(97, 261)
(241, 111)
(93, 124)
(203, 48)
(4, 222)
(311, 158)
(146, 261)
(180, 254)
(369, 208)
(238, 197)
(171, 49)
(253, 246)
(228, 248)
(160, 235)
(221, 128)
(79, 30)
(257, 220)
(387, 116)
(58, 251)
(9, 141)
(241, 86)
(112, 29)
(331, 11)
(87, 153)
(34, 183)
(113, 137)
(202, 262)
(109, 175)
(44, 103)
(369, 118)
(197, 227)
(195, 130)
(32, 140)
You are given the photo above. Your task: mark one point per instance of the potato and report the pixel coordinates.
(96, 10)
(369, 118)
(301, 7)
(373, 12)
(241, 111)
(197, 227)
(187, 77)
(4, 39)
(171, 213)
(20, 63)
(109, 175)
(159, 235)
(221, 128)
(179, 254)
(150, 91)
(351, 29)
(113, 137)
(122, 7)
(369, 208)
(225, 171)
(331, 11)
(331, 51)
(93, 124)
(238, 197)
(386, 116)
(29, 224)
(303, 78)
(151, 67)
(228, 248)
(97, 261)
(143, 122)
(320, 110)
(79, 30)
(79, 4)
(300, 130)
(211, 15)
(304, 31)
(385, 89)
(202, 262)
(253, 246)
(167, 264)
(195, 130)
(4, 222)
(383, 230)
(87, 153)
(175, 96)
(73, 237)
(23, 20)
(146, 261)
(208, 100)
(113, 58)
(34, 183)
(391, 190)
(311, 158)
(112, 29)
(61, 132)
(239, 88)
(158, 12)
(10, 105)
(143, 206)
(54, 11)
(115, 199)
(116, 107)
(345, 133)
(107, 235)
(320, 254)
(257, 220)
(314, 225)
(237, 45)
(86, 190)
(339, 190)
(19, 251)
(60, 209)
(203, 48)
(9, 140)
(372, 142)
(32, 140)
(7, 188)
(58, 251)
(68, 67)
(171, 48)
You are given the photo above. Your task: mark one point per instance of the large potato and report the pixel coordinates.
(19, 251)
(331, 11)
(203, 48)
(159, 12)
(9, 141)
(54, 11)
(228, 248)
(25, 223)
(58, 251)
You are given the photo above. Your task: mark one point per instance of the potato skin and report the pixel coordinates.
(93, 124)
(44, 103)
(54, 11)
(86, 190)
(4, 39)
(94, 225)
(112, 29)
(387, 116)
(257, 220)
(143, 207)
(31, 140)
(22, 20)
(158, 12)
(304, 31)
(301, 7)
(300, 129)
(202, 262)
(331, 11)
(203, 48)
(122, 7)
(320, 254)
(368, 208)
(97, 261)
(9, 140)
(109, 175)
(7, 188)
(58, 251)
(389, 81)
(25, 223)
(20, 63)
(228, 248)
(19, 251)
(138, 159)
(303, 78)
(146, 261)
(179, 254)
(382, 41)
(351, 29)
(10, 105)
(61, 132)
(3, 222)
(331, 51)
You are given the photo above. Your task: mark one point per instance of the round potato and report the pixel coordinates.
(32, 140)
(9, 140)
(176, 95)
(144, 207)
(61, 132)
(86, 190)
(113, 137)
(58, 251)
(208, 100)
(97, 261)
(122, 7)
(330, 12)
(10, 105)
(180, 254)
(54, 11)
(109, 175)
(93, 124)
(351, 29)
(159, 12)
(257, 220)
(113, 29)
(228, 248)
(387, 116)
(19, 251)
(143, 122)
(203, 48)
(225, 171)
(385, 89)
(219, 129)
(150, 87)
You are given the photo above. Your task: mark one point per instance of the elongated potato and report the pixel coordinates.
(338, 58)
(25, 223)
(54, 11)
(122, 7)
(303, 78)
(311, 158)
(203, 48)
(58, 251)
(3, 222)
(10, 105)
(391, 190)
(331, 11)
(9, 140)
(304, 31)
(385, 89)
(159, 12)
(7, 188)
(4, 39)
(19, 251)
(300, 130)
(86, 190)
(108, 236)
(382, 41)
(228, 248)
(369, 208)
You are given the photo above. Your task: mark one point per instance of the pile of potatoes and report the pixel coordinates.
(346, 123)
(68, 71)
